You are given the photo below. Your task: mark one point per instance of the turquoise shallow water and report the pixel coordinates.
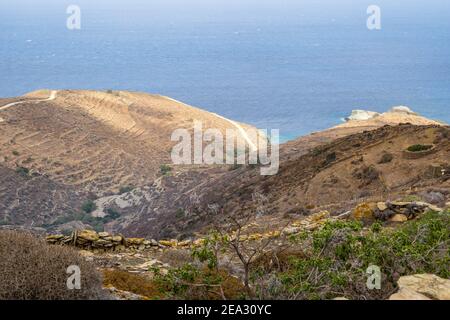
(298, 68)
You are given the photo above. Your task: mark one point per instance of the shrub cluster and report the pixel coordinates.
(419, 148)
(336, 257)
(32, 270)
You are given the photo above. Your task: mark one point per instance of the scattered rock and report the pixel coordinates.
(381, 206)
(291, 230)
(88, 235)
(433, 197)
(135, 241)
(168, 243)
(364, 212)
(428, 286)
(399, 218)
(387, 211)
(320, 216)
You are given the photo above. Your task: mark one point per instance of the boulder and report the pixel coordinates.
(399, 218)
(103, 234)
(429, 206)
(427, 285)
(87, 235)
(102, 243)
(433, 197)
(408, 294)
(54, 238)
(185, 243)
(168, 243)
(320, 216)
(291, 230)
(117, 239)
(135, 241)
(364, 212)
(382, 206)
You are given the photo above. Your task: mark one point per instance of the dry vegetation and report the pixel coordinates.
(32, 270)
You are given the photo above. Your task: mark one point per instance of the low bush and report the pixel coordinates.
(192, 283)
(125, 189)
(24, 172)
(89, 206)
(386, 158)
(419, 148)
(165, 169)
(131, 282)
(33, 270)
(338, 255)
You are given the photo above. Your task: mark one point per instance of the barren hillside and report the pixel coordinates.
(96, 141)
(74, 158)
(372, 165)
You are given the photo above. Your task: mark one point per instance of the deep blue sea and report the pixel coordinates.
(299, 66)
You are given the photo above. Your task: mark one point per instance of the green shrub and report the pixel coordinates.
(165, 169)
(419, 148)
(24, 172)
(125, 189)
(112, 214)
(89, 206)
(386, 158)
(193, 283)
(340, 253)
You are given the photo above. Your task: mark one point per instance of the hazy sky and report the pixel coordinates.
(226, 9)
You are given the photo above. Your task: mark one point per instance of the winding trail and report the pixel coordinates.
(242, 131)
(12, 104)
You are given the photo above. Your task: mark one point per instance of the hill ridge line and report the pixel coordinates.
(235, 124)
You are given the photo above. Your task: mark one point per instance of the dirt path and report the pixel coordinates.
(241, 130)
(12, 104)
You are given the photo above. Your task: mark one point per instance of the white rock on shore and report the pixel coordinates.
(402, 109)
(359, 115)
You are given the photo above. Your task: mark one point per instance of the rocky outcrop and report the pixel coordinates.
(363, 115)
(393, 211)
(422, 287)
(402, 109)
(358, 115)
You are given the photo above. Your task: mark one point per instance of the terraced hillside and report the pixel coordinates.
(95, 141)
(34, 200)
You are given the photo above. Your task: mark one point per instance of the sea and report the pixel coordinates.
(295, 65)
